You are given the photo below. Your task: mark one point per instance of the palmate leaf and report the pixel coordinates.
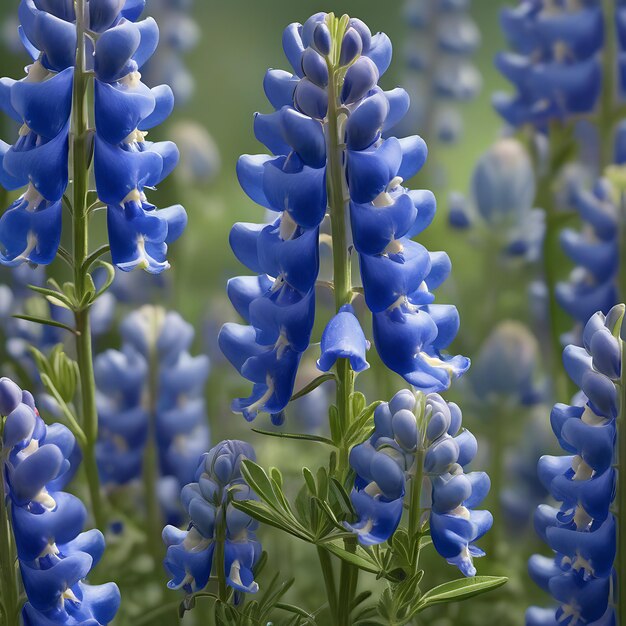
(458, 590)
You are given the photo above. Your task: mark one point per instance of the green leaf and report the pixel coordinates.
(361, 424)
(298, 436)
(360, 558)
(458, 590)
(357, 403)
(55, 297)
(314, 384)
(341, 496)
(258, 480)
(110, 276)
(266, 515)
(334, 423)
(46, 322)
(309, 480)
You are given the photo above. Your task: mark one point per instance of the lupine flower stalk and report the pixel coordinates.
(337, 166)
(220, 539)
(567, 62)
(77, 45)
(152, 413)
(582, 531)
(442, 39)
(46, 523)
(592, 285)
(418, 439)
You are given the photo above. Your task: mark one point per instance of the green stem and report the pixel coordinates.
(150, 471)
(9, 592)
(620, 557)
(329, 580)
(80, 144)
(220, 556)
(551, 251)
(337, 194)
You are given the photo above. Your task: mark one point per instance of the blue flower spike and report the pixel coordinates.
(554, 67)
(581, 529)
(420, 437)
(124, 163)
(54, 554)
(399, 275)
(208, 500)
(155, 346)
(442, 40)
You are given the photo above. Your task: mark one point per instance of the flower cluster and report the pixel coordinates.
(179, 35)
(555, 68)
(334, 90)
(124, 162)
(37, 461)
(503, 193)
(581, 532)
(214, 520)
(152, 387)
(426, 430)
(592, 285)
(442, 41)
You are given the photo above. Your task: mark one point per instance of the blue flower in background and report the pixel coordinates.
(398, 274)
(592, 285)
(384, 464)
(506, 367)
(442, 40)
(54, 556)
(208, 500)
(503, 193)
(555, 67)
(156, 347)
(581, 531)
(179, 35)
(124, 162)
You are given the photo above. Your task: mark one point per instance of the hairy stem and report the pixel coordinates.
(81, 147)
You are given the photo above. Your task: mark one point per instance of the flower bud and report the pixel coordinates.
(315, 68)
(351, 47)
(10, 396)
(322, 39)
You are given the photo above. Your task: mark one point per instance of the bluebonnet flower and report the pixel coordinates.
(555, 68)
(503, 193)
(398, 274)
(124, 162)
(442, 40)
(179, 35)
(54, 554)
(592, 285)
(407, 429)
(156, 346)
(581, 531)
(208, 500)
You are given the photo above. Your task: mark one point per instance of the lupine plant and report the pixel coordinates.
(336, 167)
(583, 575)
(85, 114)
(443, 37)
(41, 525)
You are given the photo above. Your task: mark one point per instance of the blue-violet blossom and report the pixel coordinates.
(409, 428)
(398, 274)
(124, 110)
(582, 531)
(213, 518)
(54, 556)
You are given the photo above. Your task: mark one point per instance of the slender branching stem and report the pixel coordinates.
(81, 157)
